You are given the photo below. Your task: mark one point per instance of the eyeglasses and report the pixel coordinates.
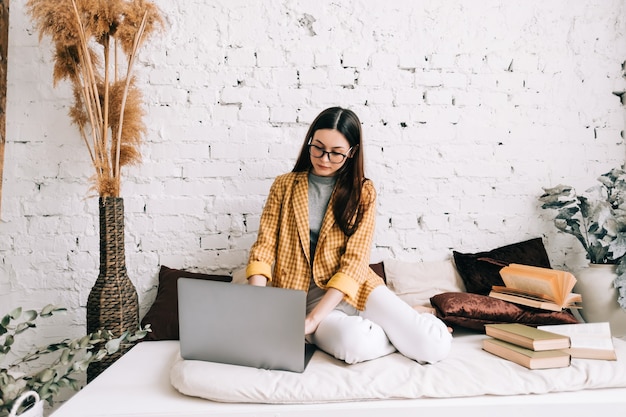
(333, 157)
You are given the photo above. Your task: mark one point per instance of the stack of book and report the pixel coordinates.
(549, 346)
(527, 346)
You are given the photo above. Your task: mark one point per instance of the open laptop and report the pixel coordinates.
(261, 327)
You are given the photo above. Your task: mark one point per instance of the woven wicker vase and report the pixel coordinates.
(112, 304)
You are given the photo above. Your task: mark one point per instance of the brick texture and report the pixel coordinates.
(468, 109)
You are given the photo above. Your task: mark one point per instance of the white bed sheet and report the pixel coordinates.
(138, 385)
(468, 371)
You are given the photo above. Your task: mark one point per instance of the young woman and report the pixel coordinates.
(315, 235)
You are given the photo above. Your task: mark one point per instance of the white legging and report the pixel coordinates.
(387, 324)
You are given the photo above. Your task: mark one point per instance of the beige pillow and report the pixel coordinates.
(239, 276)
(416, 282)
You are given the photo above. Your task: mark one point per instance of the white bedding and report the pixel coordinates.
(469, 371)
(138, 385)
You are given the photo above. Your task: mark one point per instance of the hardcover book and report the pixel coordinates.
(526, 357)
(544, 288)
(527, 336)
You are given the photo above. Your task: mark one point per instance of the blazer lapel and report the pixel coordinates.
(329, 220)
(300, 206)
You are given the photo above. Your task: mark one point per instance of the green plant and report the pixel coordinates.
(597, 219)
(69, 357)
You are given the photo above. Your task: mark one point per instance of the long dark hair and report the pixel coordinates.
(347, 206)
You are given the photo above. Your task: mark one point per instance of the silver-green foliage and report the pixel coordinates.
(597, 219)
(71, 357)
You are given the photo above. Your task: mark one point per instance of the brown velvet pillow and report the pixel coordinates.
(480, 271)
(163, 314)
(379, 268)
(473, 311)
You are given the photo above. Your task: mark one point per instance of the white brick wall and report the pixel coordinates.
(468, 108)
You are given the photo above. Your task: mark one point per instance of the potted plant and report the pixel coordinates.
(95, 47)
(65, 360)
(597, 219)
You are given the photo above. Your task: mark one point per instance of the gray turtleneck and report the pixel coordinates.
(320, 191)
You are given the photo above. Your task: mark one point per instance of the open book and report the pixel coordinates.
(545, 288)
(587, 340)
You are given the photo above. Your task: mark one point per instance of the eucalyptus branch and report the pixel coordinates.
(73, 356)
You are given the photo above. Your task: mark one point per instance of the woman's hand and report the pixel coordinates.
(328, 302)
(310, 325)
(258, 280)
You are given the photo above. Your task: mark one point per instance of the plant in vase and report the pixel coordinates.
(598, 221)
(95, 49)
(66, 358)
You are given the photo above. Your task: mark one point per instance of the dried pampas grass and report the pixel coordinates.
(90, 37)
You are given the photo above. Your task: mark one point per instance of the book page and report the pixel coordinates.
(585, 335)
(520, 293)
(551, 284)
(591, 343)
(540, 287)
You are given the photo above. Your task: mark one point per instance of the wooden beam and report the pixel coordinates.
(4, 49)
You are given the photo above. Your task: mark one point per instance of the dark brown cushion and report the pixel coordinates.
(473, 311)
(163, 314)
(379, 268)
(480, 271)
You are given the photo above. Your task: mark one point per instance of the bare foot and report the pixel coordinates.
(424, 309)
(429, 310)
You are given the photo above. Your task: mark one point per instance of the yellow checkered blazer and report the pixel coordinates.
(282, 250)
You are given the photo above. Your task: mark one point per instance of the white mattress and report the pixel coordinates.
(468, 371)
(139, 385)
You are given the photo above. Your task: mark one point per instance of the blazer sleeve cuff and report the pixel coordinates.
(344, 283)
(259, 268)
